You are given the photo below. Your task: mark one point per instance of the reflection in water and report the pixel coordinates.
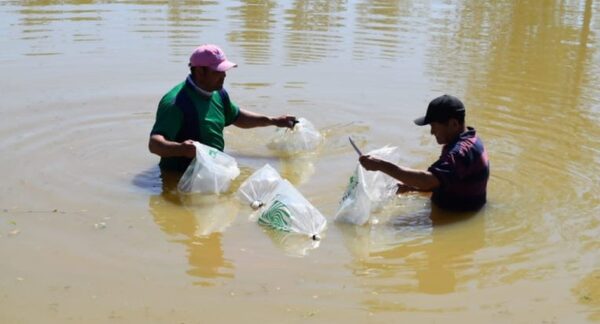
(378, 25)
(313, 28)
(85, 21)
(298, 169)
(587, 292)
(43, 25)
(186, 20)
(196, 222)
(254, 35)
(422, 251)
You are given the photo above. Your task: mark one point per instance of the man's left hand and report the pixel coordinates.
(285, 121)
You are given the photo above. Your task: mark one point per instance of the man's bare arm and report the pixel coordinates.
(421, 180)
(248, 119)
(162, 147)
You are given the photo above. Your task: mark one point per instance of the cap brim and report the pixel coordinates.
(421, 121)
(224, 66)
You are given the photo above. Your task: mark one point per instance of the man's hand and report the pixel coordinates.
(162, 147)
(411, 180)
(284, 121)
(403, 188)
(370, 163)
(188, 149)
(248, 119)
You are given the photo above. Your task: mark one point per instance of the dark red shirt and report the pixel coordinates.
(463, 171)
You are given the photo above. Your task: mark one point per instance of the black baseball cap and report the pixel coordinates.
(442, 109)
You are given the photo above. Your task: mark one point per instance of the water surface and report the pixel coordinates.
(90, 233)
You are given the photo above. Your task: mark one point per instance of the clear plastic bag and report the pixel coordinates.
(210, 172)
(368, 191)
(289, 211)
(259, 186)
(355, 206)
(304, 137)
(280, 205)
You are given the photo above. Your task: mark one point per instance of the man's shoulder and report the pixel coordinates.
(468, 151)
(467, 143)
(170, 97)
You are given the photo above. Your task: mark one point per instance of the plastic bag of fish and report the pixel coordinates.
(211, 171)
(368, 191)
(304, 137)
(280, 205)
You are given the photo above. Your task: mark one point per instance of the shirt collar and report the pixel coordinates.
(470, 132)
(200, 91)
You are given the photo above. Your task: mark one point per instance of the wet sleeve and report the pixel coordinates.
(231, 113)
(168, 121)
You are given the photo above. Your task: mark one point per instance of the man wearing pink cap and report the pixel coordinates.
(198, 109)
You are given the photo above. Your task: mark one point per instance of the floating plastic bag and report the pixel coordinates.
(304, 137)
(289, 211)
(210, 172)
(281, 206)
(368, 191)
(355, 206)
(259, 186)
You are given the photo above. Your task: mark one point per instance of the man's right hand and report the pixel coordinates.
(188, 149)
(284, 121)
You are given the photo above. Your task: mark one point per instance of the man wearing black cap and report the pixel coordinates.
(458, 179)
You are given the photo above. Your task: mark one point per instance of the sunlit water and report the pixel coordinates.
(89, 234)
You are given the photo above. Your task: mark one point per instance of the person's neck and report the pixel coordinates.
(459, 132)
(200, 84)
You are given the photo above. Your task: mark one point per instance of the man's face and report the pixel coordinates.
(444, 132)
(214, 79)
(209, 79)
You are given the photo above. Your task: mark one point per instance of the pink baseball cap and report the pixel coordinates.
(211, 56)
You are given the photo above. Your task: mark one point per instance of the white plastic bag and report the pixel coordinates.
(259, 186)
(210, 172)
(368, 191)
(289, 211)
(280, 205)
(304, 137)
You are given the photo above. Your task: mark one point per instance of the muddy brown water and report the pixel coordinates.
(88, 234)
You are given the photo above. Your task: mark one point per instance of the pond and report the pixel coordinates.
(90, 233)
